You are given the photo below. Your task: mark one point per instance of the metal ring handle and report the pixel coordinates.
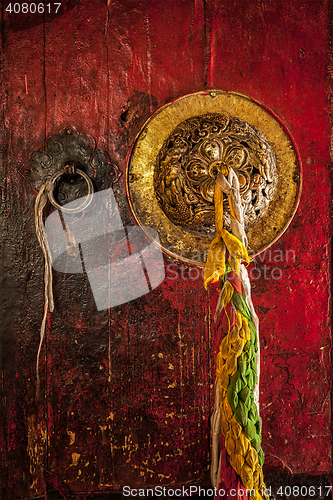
(55, 177)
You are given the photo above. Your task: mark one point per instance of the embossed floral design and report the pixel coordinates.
(188, 163)
(210, 157)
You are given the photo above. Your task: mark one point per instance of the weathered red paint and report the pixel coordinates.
(135, 384)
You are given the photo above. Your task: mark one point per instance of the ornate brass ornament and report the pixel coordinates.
(187, 166)
(176, 158)
(93, 169)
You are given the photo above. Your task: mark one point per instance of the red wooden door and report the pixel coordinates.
(128, 392)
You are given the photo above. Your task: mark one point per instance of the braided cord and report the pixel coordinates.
(237, 377)
(236, 365)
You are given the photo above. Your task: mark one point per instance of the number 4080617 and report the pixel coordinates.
(33, 8)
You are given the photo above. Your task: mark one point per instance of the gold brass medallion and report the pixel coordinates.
(174, 164)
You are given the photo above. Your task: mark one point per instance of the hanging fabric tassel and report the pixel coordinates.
(40, 203)
(237, 457)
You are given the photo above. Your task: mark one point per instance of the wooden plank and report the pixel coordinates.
(110, 361)
(77, 389)
(276, 53)
(23, 108)
(165, 419)
(116, 378)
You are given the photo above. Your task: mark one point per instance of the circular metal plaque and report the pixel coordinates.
(177, 155)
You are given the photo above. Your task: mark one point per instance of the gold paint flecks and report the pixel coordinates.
(36, 448)
(71, 437)
(75, 459)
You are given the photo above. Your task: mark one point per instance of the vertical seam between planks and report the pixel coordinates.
(4, 455)
(206, 47)
(329, 92)
(209, 318)
(149, 56)
(45, 340)
(44, 76)
(107, 143)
